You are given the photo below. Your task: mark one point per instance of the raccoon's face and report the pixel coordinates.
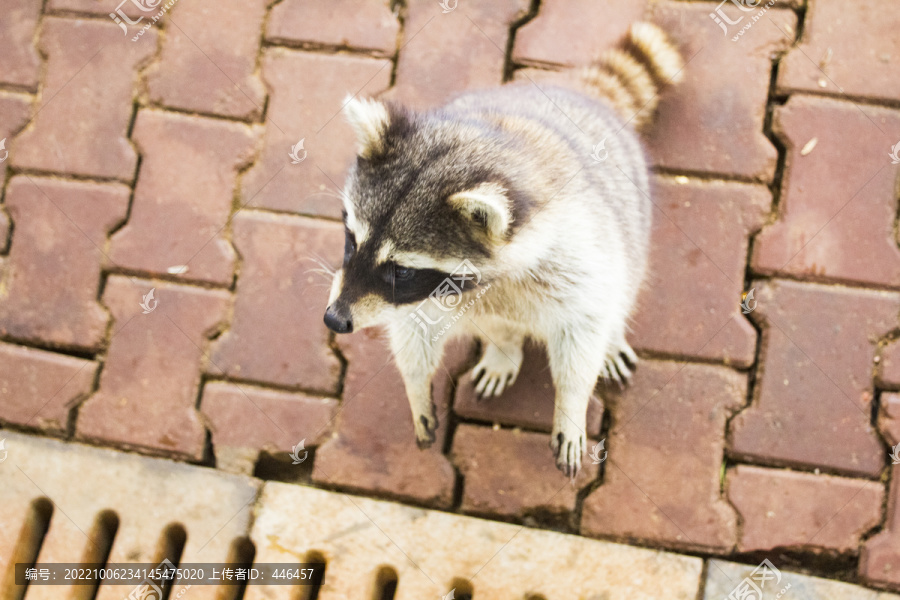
(415, 207)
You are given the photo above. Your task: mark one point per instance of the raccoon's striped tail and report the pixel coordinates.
(631, 77)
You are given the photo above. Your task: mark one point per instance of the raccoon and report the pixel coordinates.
(503, 203)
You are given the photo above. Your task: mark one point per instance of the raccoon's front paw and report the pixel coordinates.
(496, 371)
(567, 444)
(426, 426)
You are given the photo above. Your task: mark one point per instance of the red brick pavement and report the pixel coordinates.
(203, 161)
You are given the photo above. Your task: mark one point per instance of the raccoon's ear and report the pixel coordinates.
(370, 120)
(486, 205)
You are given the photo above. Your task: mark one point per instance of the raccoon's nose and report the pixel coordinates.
(337, 322)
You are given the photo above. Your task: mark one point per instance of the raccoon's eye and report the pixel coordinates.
(403, 273)
(349, 246)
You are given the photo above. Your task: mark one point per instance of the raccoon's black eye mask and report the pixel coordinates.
(408, 285)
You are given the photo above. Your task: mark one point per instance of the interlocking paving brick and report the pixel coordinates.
(38, 389)
(587, 27)
(245, 420)
(711, 122)
(374, 445)
(183, 197)
(690, 304)
(208, 59)
(814, 393)
(150, 382)
(838, 202)
(85, 104)
(801, 511)
(527, 403)
(846, 48)
(879, 559)
(14, 112)
(666, 445)
(277, 334)
(55, 255)
(20, 63)
(147, 495)
(307, 92)
(724, 577)
(444, 53)
(367, 25)
(512, 473)
(431, 550)
(714, 120)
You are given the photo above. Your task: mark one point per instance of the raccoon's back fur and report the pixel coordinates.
(544, 190)
(554, 138)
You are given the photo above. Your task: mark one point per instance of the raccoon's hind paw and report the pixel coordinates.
(496, 371)
(568, 448)
(426, 426)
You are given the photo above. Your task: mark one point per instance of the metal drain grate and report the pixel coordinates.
(65, 502)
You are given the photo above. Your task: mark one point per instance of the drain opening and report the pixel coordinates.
(464, 589)
(171, 548)
(240, 556)
(385, 584)
(316, 560)
(102, 535)
(28, 546)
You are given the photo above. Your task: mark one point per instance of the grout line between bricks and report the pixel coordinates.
(312, 47)
(400, 10)
(527, 16)
(754, 373)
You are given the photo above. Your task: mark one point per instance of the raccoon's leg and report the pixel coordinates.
(577, 354)
(417, 358)
(499, 365)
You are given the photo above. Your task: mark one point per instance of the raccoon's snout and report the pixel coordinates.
(337, 320)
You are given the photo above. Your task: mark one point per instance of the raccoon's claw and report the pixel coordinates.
(496, 371)
(628, 353)
(568, 450)
(425, 431)
(491, 384)
(616, 366)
